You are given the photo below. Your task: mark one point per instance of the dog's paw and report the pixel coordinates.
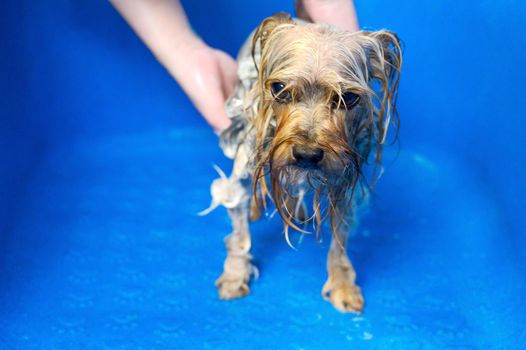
(231, 287)
(344, 296)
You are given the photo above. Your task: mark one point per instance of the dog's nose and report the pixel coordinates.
(306, 156)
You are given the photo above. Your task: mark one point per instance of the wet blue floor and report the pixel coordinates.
(104, 164)
(108, 253)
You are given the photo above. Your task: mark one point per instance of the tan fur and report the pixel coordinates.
(238, 268)
(317, 64)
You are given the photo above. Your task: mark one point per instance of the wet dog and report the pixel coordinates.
(311, 109)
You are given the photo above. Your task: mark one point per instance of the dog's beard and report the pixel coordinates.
(330, 191)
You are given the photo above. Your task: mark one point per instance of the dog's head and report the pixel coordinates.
(325, 99)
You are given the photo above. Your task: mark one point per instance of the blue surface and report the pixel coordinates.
(105, 163)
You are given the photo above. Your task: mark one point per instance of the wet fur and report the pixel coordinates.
(318, 64)
(368, 63)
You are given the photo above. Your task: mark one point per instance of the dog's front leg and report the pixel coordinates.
(340, 288)
(233, 283)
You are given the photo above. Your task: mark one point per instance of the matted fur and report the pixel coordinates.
(318, 62)
(314, 89)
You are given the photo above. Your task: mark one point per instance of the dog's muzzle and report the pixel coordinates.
(307, 157)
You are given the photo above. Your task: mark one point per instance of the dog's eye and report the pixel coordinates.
(277, 87)
(279, 92)
(348, 98)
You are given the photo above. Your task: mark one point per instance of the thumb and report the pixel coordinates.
(228, 71)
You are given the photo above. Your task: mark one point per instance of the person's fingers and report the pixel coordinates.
(219, 120)
(224, 75)
(207, 76)
(228, 68)
(215, 115)
(210, 102)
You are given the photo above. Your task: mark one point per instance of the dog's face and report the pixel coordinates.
(325, 100)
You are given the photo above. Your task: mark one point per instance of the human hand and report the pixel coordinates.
(208, 76)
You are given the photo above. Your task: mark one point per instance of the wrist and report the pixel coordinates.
(183, 52)
(340, 13)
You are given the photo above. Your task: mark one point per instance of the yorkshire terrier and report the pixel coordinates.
(312, 106)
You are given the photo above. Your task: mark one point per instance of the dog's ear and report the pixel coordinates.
(384, 62)
(265, 29)
(382, 53)
(268, 25)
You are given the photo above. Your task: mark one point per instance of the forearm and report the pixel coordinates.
(163, 27)
(341, 13)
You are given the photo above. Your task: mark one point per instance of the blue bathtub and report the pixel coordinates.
(105, 163)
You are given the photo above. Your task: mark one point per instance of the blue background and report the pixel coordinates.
(104, 163)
